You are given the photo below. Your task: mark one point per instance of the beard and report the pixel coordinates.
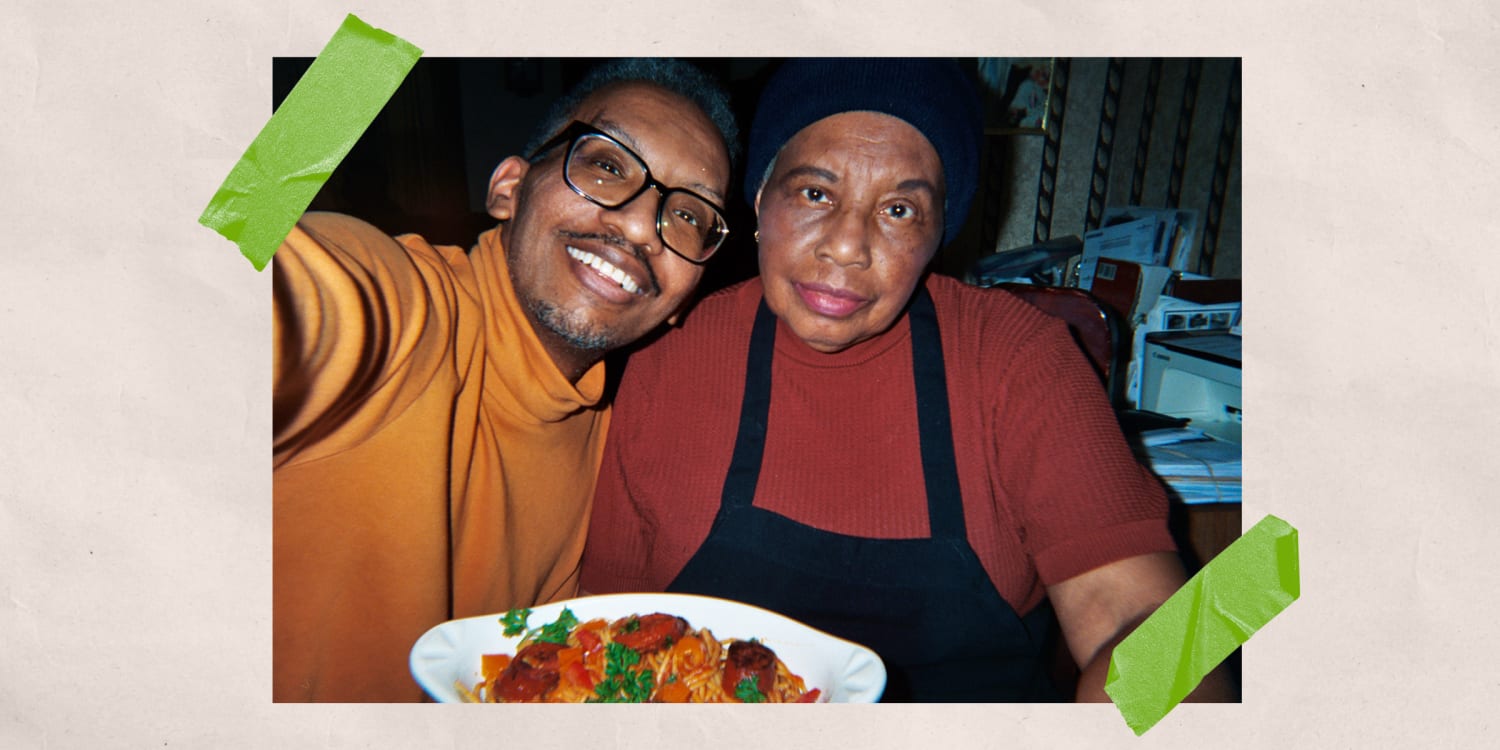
(573, 327)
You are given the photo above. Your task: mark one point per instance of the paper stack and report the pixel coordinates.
(1195, 467)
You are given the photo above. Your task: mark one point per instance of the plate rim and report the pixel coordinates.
(441, 645)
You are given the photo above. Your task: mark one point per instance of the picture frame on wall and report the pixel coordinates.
(1018, 94)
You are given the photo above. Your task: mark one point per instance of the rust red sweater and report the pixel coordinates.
(1050, 487)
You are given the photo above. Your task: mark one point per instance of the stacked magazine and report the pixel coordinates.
(1195, 467)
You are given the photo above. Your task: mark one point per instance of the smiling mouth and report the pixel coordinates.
(607, 270)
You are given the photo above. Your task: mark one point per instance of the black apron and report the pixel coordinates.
(926, 606)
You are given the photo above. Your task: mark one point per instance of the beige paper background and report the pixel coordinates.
(135, 389)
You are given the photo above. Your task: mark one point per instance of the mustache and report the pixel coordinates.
(616, 240)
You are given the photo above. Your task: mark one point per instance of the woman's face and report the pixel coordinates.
(849, 218)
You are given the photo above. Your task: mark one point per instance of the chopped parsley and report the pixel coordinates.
(554, 632)
(623, 683)
(748, 691)
(557, 630)
(515, 621)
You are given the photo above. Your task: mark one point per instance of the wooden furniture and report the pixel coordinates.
(1203, 531)
(1095, 327)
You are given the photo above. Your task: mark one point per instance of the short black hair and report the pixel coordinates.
(681, 78)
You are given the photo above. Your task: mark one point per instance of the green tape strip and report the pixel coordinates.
(320, 120)
(1234, 595)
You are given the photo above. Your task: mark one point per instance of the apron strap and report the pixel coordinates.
(755, 409)
(945, 508)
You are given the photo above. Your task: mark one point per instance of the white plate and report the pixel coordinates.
(845, 672)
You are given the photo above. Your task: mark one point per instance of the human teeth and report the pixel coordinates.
(605, 269)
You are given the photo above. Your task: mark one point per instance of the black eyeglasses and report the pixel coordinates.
(608, 174)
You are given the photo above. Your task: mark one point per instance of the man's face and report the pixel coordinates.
(849, 218)
(594, 279)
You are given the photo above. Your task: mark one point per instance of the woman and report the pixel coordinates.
(889, 455)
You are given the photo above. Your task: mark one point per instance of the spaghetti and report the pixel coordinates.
(656, 658)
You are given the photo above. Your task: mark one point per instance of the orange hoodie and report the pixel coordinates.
(430, 462)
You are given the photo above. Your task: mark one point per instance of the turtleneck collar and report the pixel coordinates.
(520, 373)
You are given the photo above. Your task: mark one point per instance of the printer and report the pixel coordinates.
(1194, 375)
(1166, 314)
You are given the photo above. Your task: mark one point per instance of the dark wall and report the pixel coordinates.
(424, 164)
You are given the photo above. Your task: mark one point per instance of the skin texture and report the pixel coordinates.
(849, 218)
(579, 314)
(1097, 609)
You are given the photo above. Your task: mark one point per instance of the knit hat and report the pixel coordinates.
(934, 95)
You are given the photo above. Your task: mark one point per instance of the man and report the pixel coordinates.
(437, 416)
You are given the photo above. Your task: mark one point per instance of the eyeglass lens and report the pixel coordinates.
(610, 175)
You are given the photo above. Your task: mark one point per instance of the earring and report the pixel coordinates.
(756, 234)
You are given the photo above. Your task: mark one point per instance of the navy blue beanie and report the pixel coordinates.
(934, 95)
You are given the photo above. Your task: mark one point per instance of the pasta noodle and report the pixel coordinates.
(639, 658)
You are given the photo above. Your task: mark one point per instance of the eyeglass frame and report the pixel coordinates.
(576, 131)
